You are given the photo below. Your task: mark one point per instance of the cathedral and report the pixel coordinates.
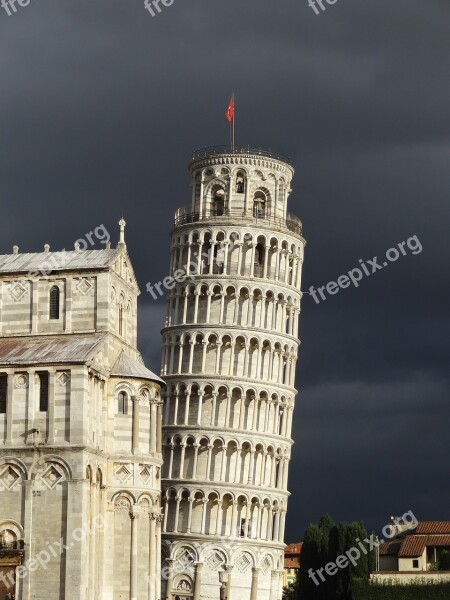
(117, 483)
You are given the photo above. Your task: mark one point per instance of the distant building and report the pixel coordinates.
(291, 562)
(414, 553)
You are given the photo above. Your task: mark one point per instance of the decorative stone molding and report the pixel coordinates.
(17, 290)
(84, 286)
(122, 503)
(63, 378)
(10, 477)
(123, 472)
(21, 381)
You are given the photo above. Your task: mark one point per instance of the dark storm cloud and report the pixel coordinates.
(101, 107)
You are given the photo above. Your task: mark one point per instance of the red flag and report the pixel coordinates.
(230, 111)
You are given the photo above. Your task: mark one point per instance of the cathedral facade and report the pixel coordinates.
(80, 435)
(229, 355)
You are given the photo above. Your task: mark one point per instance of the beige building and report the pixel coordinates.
(291, 563)
(229, 354)
(80, 440)
(413, 553)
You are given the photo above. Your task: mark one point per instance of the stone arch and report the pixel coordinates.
(51, 459)
(182, 586)
(17, 464)
(216, 197)
(122, 494)
(240, 177)
(11, 535)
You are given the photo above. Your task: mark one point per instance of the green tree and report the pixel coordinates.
(290, 591)
(309, 560)
(323, 543)
(329, 545)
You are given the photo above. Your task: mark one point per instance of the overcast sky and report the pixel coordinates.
(101, 107)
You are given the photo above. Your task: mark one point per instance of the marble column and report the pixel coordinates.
(198, 580)
(255, 578)
(135, 437)
(134, 558)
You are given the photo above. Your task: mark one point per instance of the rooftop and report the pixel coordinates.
(433, 527)
(412, 542)
(239, 151)
(57, 261)
(128, 367)
(294, 548)
(49, 349)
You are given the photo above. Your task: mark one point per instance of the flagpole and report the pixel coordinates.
(234, 119)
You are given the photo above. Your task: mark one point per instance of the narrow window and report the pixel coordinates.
(54, 303)
(242, 528)
(43, 391)
(3, 393)
(260, 252)
(122, 403)
(416, 563)
(120, 320)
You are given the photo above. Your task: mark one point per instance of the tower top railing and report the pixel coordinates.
(184, 216)
(239, 150)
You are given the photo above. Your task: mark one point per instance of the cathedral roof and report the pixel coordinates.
(58, 261)
(49, 349)
(128, 367)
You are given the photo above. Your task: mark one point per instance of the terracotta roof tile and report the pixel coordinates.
(294, 548)
(438, 540)
(433, 527)
(292, 563)
(414, 545)
(390, 548)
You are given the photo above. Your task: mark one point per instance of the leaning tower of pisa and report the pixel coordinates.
(229, 354)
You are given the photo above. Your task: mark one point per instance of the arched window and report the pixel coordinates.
(259, 255)
(259, 206)
(218, 204)
(240, 183)
(122, 403)
(54, 303)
